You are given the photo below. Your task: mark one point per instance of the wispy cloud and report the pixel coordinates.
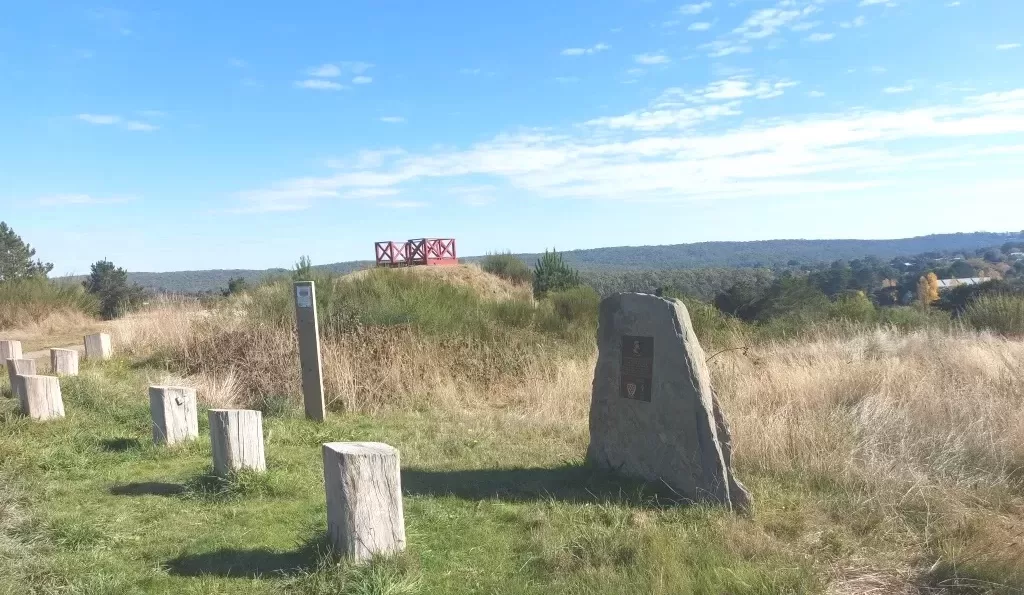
(403, 204)
(362, 80)
(470, 71)
(953, 4)
(325, 71)
(874, 2)
(651, 59)
(600, 47)
(896, 90)
(815, 94)
(62, 200)
(805, 26)
(567, 80)
(115, 120)
(319, 85)
(846, 152)
(694, 8)
(700, 26)
(392, 119)
(720, 48)
(859, 21)
(1007, 46)
(769, 21)
(237, 63)
(819, 37)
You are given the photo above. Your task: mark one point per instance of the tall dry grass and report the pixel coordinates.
(915, 438)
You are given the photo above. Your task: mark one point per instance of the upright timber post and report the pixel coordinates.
(309, 349)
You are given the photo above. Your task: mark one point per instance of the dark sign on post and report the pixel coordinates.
(309, 349)
(636, 372)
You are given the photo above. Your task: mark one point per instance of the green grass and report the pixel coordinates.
(491, 507)
(30, 300)
(493, 504)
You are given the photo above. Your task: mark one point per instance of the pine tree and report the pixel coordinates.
(110, 284)
(16, 257)
(552, 274)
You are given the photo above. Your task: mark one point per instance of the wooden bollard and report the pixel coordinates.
(97, 347)
(16, 367)
(10, 350)
(39, 396)
(236, 436)
(64, 362)
(175, 417)
(364, 499)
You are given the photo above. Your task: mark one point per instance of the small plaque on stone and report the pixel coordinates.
(636, 371)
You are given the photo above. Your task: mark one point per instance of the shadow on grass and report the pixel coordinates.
(120, 444)
(568, 483)
(148, 488)
(252, 563)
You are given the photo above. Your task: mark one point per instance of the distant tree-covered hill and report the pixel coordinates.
(629, 262)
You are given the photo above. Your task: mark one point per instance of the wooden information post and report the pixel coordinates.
(309, 349)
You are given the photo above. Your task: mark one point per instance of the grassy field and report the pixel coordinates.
(880, 461)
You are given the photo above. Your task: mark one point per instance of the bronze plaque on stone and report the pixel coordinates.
(636, 373)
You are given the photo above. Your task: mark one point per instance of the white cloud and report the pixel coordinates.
(470, 71)
(720, 48)
(362, 80)
(699, 26)
(392, 119)
(805, 26)
(61, 200)
(815, 94)
(600, 47)
(819, 37)
(769, 21)
(694, 8)
(319, 85)
(649, 59)
(895, 90)
(324, 71)
(136, 126)
(403, 204)
(879, 69)
(567, 80)
(111, 120)
(152, 113)
(873, 2)
(99, 119)
(952, 4)
(689, 146)
(1007, 46)
(356, 67)
(237, 63)
(859, 21)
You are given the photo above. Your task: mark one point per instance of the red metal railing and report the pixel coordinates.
(425, 252)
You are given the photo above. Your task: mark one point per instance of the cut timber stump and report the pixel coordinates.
(98, 346)
(175, 417)
(64, 362)
(236, 436)
(10, 350)
(39, 396)
(19, 367)
(364, 499)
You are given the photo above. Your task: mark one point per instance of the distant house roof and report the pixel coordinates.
(948, 283)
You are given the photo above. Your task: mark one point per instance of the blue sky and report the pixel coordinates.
(242, 135)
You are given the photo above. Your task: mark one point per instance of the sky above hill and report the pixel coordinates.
(242, 135)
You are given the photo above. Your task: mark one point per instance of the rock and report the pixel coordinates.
(653, 413)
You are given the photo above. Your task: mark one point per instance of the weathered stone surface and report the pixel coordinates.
(10, 350)
(64, 362)
(97, 347)
(364, 498)
(236, 436)
(653, 413)
(174, 412)
(39, 396)
(17, 367)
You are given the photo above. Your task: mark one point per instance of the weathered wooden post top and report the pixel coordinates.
(309, 349)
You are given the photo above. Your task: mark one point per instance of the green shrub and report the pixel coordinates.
(30, 300)
(110, 286)
(909, 318)
(578, 304)
(1003, 314)
(854, 307)
(508, 267)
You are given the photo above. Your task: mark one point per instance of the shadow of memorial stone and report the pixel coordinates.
(251, 563)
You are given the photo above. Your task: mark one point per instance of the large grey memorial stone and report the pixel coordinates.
(653, 413)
